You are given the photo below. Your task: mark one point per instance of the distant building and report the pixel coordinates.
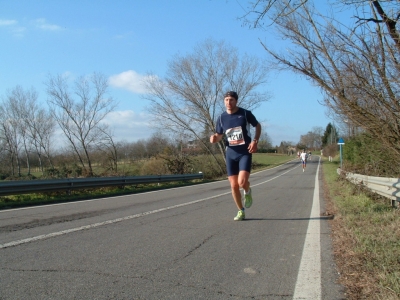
(193, 144)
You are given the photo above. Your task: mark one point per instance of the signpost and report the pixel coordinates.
(340, 143)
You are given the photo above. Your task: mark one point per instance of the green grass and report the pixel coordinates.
(24, 200)
(261, 161)
(268, 160)
(371, 228)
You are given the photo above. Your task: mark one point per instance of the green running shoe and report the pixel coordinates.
(248, 199)
(240, 216)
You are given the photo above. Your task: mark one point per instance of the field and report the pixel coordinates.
(265, 161)
(205, 165)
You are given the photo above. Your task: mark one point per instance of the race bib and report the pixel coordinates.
(235, 136)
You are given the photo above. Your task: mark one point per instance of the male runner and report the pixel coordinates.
(234, 123)
(303, 157)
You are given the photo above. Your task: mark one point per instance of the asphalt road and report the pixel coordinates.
(176, 244)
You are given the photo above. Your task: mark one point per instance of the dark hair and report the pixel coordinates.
(232, 94)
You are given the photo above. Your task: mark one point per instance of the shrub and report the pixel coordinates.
(154, 167)
(365, 155)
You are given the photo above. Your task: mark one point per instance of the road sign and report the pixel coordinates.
(340, 143)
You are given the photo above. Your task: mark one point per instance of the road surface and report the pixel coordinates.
(180, 243)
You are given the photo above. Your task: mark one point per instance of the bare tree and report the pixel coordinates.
(107, 147)
(34, 124)
(264, 142)
(284, 147)
(357, 67)
(313, 139)
(41, 127)
(258, 12)
(13, 129)
(190, 97)
(18, 103)
(157, 143)
(80, 112)
(10, 139)
(139, 150)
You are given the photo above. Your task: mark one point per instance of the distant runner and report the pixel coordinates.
(303, 157)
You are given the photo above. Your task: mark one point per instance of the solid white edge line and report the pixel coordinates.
(308, 284)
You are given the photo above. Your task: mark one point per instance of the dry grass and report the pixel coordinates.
(366, 239)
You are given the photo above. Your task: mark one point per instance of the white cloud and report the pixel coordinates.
(13, 27)
(42, 24)
(19, 31)
(129, 80)
(129, 126)
(125, 126)
(8, 22)
(123, 35)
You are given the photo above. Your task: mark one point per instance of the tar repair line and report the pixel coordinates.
(308, 284)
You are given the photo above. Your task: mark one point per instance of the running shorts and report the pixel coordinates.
(236, 162)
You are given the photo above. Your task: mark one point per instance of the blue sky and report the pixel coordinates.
(124, 40)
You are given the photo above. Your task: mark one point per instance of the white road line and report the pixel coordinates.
(91, 200)
(58, 233)
(253, 185)
(308, 284)
(108, 198)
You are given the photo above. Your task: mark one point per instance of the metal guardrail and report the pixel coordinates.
(37, 186)
(385, 186)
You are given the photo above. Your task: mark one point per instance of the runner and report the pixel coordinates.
(234, 123)
(303, 157)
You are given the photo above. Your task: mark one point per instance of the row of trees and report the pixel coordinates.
(127, 158)
(185, 104)
(27, 128)
(27, 133)
(356, 67)
(355, 62)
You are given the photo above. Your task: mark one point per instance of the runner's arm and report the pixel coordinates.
(254, 143)
(258, 132)
(216, 137)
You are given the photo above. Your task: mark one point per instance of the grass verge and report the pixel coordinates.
(366, 238)
(260, 161)
(25, 200)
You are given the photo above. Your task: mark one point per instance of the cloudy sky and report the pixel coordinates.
(126, 39)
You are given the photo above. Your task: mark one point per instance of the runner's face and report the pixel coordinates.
(230, 103)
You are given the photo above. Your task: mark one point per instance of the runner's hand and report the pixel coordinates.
(252, 147)
(213, 139)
